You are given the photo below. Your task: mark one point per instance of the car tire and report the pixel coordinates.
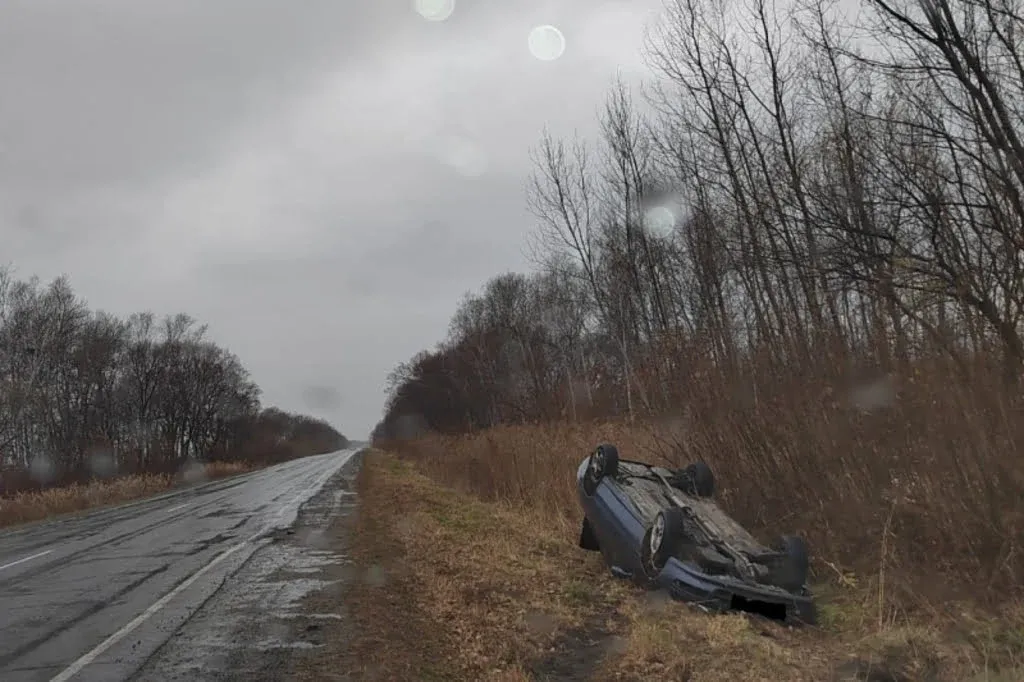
(588, 540)
(698, 480)
(662, 540)
(792, 569)
(604, 461)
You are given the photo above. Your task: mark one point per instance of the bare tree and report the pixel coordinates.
(77, 387)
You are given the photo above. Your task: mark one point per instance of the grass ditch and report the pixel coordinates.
(475, 541)
(905, 508)
(25, 507)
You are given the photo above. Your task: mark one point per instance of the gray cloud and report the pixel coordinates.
(319, 181)
(121, 91)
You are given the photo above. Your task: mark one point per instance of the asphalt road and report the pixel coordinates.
(93, 597)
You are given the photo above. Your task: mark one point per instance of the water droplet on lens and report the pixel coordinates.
(546, 43)
(434, 10)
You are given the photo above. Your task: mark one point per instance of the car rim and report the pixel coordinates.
(657, 533)
(596, 463)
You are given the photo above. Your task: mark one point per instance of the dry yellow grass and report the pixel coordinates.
(484, 532)
(224, 469)
(35, 506)
(463, 589)
(920, 522)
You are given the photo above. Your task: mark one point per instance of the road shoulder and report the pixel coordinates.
(451, 588)
(257, 627)
(385, 633)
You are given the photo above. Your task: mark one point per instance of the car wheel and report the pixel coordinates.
(698, 480)
(604, 461)
(792, 569)
(662, 540)
(588, 540)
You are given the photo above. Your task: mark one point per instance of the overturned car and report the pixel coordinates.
(661, 528)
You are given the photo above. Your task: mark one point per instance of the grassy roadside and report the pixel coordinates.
(462, 588)
(36, 506)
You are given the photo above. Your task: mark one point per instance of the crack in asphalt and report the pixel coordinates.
(253, 627)
(40, 631)
(98, 606)
(97, 520)
(61, 560)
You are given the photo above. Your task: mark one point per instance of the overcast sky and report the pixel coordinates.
(319, 181)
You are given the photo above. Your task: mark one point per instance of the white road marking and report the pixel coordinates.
(180, 506)
(133, 624)
(28, 558)
(88, 658)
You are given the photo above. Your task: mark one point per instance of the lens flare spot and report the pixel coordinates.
(546, 43)
(434, 10)
(661, 218)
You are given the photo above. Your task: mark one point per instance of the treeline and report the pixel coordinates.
(799, 198)
(85, 393)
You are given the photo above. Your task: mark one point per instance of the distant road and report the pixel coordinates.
(92, 597)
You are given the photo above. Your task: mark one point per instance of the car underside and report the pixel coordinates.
(660, 527)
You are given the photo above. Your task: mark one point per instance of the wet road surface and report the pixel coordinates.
(98, 596)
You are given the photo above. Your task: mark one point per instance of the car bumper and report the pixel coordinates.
(722, 593)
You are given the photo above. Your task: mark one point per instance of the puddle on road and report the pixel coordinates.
(272, 645)
(304, 571)
(252, 622)
(257, 608)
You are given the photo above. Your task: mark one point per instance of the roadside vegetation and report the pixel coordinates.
(452, 587)
(96, 409)
(796, 257)
(36, 505)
